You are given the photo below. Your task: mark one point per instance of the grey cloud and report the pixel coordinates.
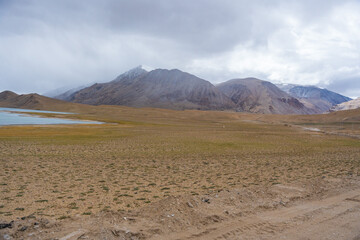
(348, 86)
(48, 44)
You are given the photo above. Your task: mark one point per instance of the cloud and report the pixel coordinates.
(324, 52)
(50, 44)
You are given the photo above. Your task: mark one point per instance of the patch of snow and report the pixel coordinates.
(147, 68)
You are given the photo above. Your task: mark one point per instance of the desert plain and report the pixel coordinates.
(163, 174)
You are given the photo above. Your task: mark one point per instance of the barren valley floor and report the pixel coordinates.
(161, 174)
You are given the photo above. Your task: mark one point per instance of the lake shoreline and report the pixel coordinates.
(20, 117)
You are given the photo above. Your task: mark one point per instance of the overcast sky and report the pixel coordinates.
(48, 44)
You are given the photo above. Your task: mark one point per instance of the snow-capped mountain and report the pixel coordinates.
(133, 73)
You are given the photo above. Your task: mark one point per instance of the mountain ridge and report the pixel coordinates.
(258, 96)
(178, 90)
(161, 88)
(318, 99)
(35, 101)
(174, 89)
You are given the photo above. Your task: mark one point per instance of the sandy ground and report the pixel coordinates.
(322, 209)
(181, 175)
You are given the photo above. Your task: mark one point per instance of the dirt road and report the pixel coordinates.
(336, 217)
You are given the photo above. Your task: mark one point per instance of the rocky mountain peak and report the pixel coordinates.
(132, 73)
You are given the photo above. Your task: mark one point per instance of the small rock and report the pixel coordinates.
(6, 237)
(6, 225)
(205, 200)
(190, 205)
(23, 228)
(115, 233)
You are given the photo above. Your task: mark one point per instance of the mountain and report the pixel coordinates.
(57, 91)
(174, 89)
(318, 99)
(352, 104)
(35, 101)
(64, 92)
(257, 96)
(161, 88)
(65, 95)
(7, 96)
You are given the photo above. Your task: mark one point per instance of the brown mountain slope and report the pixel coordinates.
(160, 88)
(38, 102)
(7, 95)
(257, 96)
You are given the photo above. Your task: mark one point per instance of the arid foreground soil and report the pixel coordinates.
(325, 209)
(159, 174)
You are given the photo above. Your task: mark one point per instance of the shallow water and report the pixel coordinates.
(8, 117)
(30, 110)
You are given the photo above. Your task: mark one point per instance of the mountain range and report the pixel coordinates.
(174, 89)
(178, 90)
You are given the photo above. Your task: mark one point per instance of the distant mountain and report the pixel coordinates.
(161, 88)
(56, 92)
(64, 92)
(257, 96)
(35, 101)
(66, 95)
(318, 99)
(352, 104)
